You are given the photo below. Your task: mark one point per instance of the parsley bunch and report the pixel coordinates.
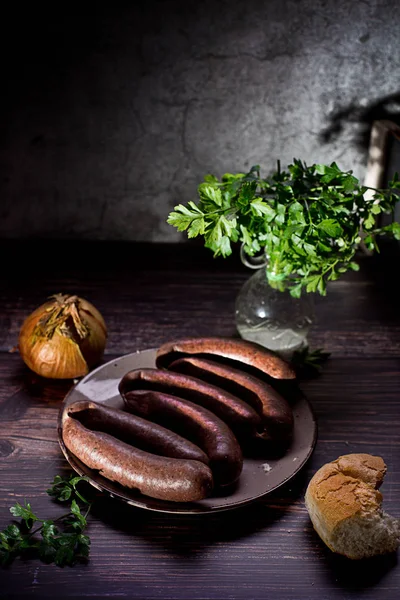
(63, 543)
(309, 221)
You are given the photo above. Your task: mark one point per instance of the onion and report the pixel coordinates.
(63, 338)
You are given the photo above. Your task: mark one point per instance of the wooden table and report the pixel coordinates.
(149, 294)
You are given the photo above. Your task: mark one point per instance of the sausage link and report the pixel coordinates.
(196, 423)
(237, 414)
(274, 409)
(134, 430)
(173, 479)
(239, 353)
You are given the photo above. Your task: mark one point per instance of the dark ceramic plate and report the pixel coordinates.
(259, 477)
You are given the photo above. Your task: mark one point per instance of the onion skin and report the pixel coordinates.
(63, 354)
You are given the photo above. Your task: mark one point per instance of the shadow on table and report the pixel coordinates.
(190, 535)
(382, 270)
(362, 309)
(359, 575)
(351, 575)
(39, 388)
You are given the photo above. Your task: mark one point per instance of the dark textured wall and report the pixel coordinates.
(111, 115)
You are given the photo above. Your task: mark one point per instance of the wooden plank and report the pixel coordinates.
(246, 553)
(149, 302)
(149, 294)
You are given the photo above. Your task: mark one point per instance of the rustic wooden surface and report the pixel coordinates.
(149, 294)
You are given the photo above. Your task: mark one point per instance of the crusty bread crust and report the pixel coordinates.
(368, 468)
(343, 490)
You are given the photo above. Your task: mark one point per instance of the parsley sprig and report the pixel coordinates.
(309, 221)
(61, 541)
(309, 363)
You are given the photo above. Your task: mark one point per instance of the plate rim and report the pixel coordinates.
(176, 508)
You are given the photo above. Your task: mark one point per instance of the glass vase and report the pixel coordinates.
(273, 318)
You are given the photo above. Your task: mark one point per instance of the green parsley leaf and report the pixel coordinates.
(246, 238)
(280, 217)
(181, 218)
(309, 220)
(369, 221)
(349, 184)
(394, 229)
(63, 489)
(229, 177)
(210, 179)
(375, 209)
(246, 194)
(25, 513)
(46, 551)
(354, 266)
(49, 530)
(225, 246)
(211, 193)
(331, 227)
(196, 227)
(259, 207)
(309, 363)
(394, 183)
(227, 225)
(62, 544)
(295, 290)
(312, 284)
(331, 173)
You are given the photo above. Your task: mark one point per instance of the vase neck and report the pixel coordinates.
(252, 262)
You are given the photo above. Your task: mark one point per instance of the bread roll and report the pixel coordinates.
(345, 507)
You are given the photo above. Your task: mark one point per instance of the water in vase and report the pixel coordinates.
(272, 318)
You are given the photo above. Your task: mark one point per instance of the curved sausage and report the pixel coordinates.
(173, 479)
(133, 430)
(275, 411)
(198, 424)
(237, 414)
(244, 354)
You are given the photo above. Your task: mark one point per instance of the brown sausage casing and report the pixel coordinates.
(240, 353)
(164, 478)
(195, 422)
(134, 430)
(237, 414)
(276, 413)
